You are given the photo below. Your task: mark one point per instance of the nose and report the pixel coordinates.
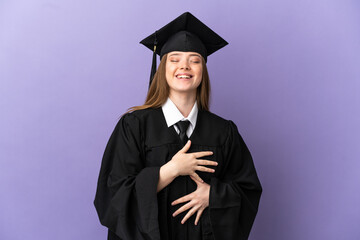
(185, 65)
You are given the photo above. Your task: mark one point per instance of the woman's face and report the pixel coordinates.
(183, 71)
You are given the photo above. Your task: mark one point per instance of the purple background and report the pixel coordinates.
(290, 79)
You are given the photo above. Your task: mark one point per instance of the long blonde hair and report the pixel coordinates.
(159, 89)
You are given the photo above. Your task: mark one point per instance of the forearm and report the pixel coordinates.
(166, 176)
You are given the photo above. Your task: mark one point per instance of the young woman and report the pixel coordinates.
(172, 169)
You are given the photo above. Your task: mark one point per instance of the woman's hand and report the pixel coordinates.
(187, 163)
(184, 163)
(198, 201)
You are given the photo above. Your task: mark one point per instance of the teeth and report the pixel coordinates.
(183, 76)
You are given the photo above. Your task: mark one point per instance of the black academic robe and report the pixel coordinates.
(127, 201)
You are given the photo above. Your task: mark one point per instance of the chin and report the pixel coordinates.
(185, 90)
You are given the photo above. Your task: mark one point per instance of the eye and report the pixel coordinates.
(195, 60)
(173, 60)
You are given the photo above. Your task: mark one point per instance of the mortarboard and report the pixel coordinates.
(185, 33)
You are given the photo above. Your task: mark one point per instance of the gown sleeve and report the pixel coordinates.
(234, 198)
(126, 195)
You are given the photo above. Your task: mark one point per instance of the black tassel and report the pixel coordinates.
(153, 66)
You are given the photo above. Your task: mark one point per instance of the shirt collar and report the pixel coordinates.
(173, 115)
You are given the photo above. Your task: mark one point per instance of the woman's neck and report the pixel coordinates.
(184, 102)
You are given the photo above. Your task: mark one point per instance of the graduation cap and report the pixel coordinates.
(185, 33)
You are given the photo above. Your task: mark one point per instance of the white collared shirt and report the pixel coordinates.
(173, 115)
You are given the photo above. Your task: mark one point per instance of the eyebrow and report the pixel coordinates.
(177, 54)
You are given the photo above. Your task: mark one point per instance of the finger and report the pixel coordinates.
(183, 208)
(198, 183)
(189, 214)
(205, 169)
(193, 178)
(182, 199)
(207, 162)
(186, 147)
(198, 214)
(196, 176)
(202, 154)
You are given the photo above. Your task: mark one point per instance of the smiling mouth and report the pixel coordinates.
(183, 76)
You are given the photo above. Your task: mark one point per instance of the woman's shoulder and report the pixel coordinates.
(215, 119)
(141, 116)
(141, 113)
(221, 124)
(134, 120)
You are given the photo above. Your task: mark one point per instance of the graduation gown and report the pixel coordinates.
(127, 201)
